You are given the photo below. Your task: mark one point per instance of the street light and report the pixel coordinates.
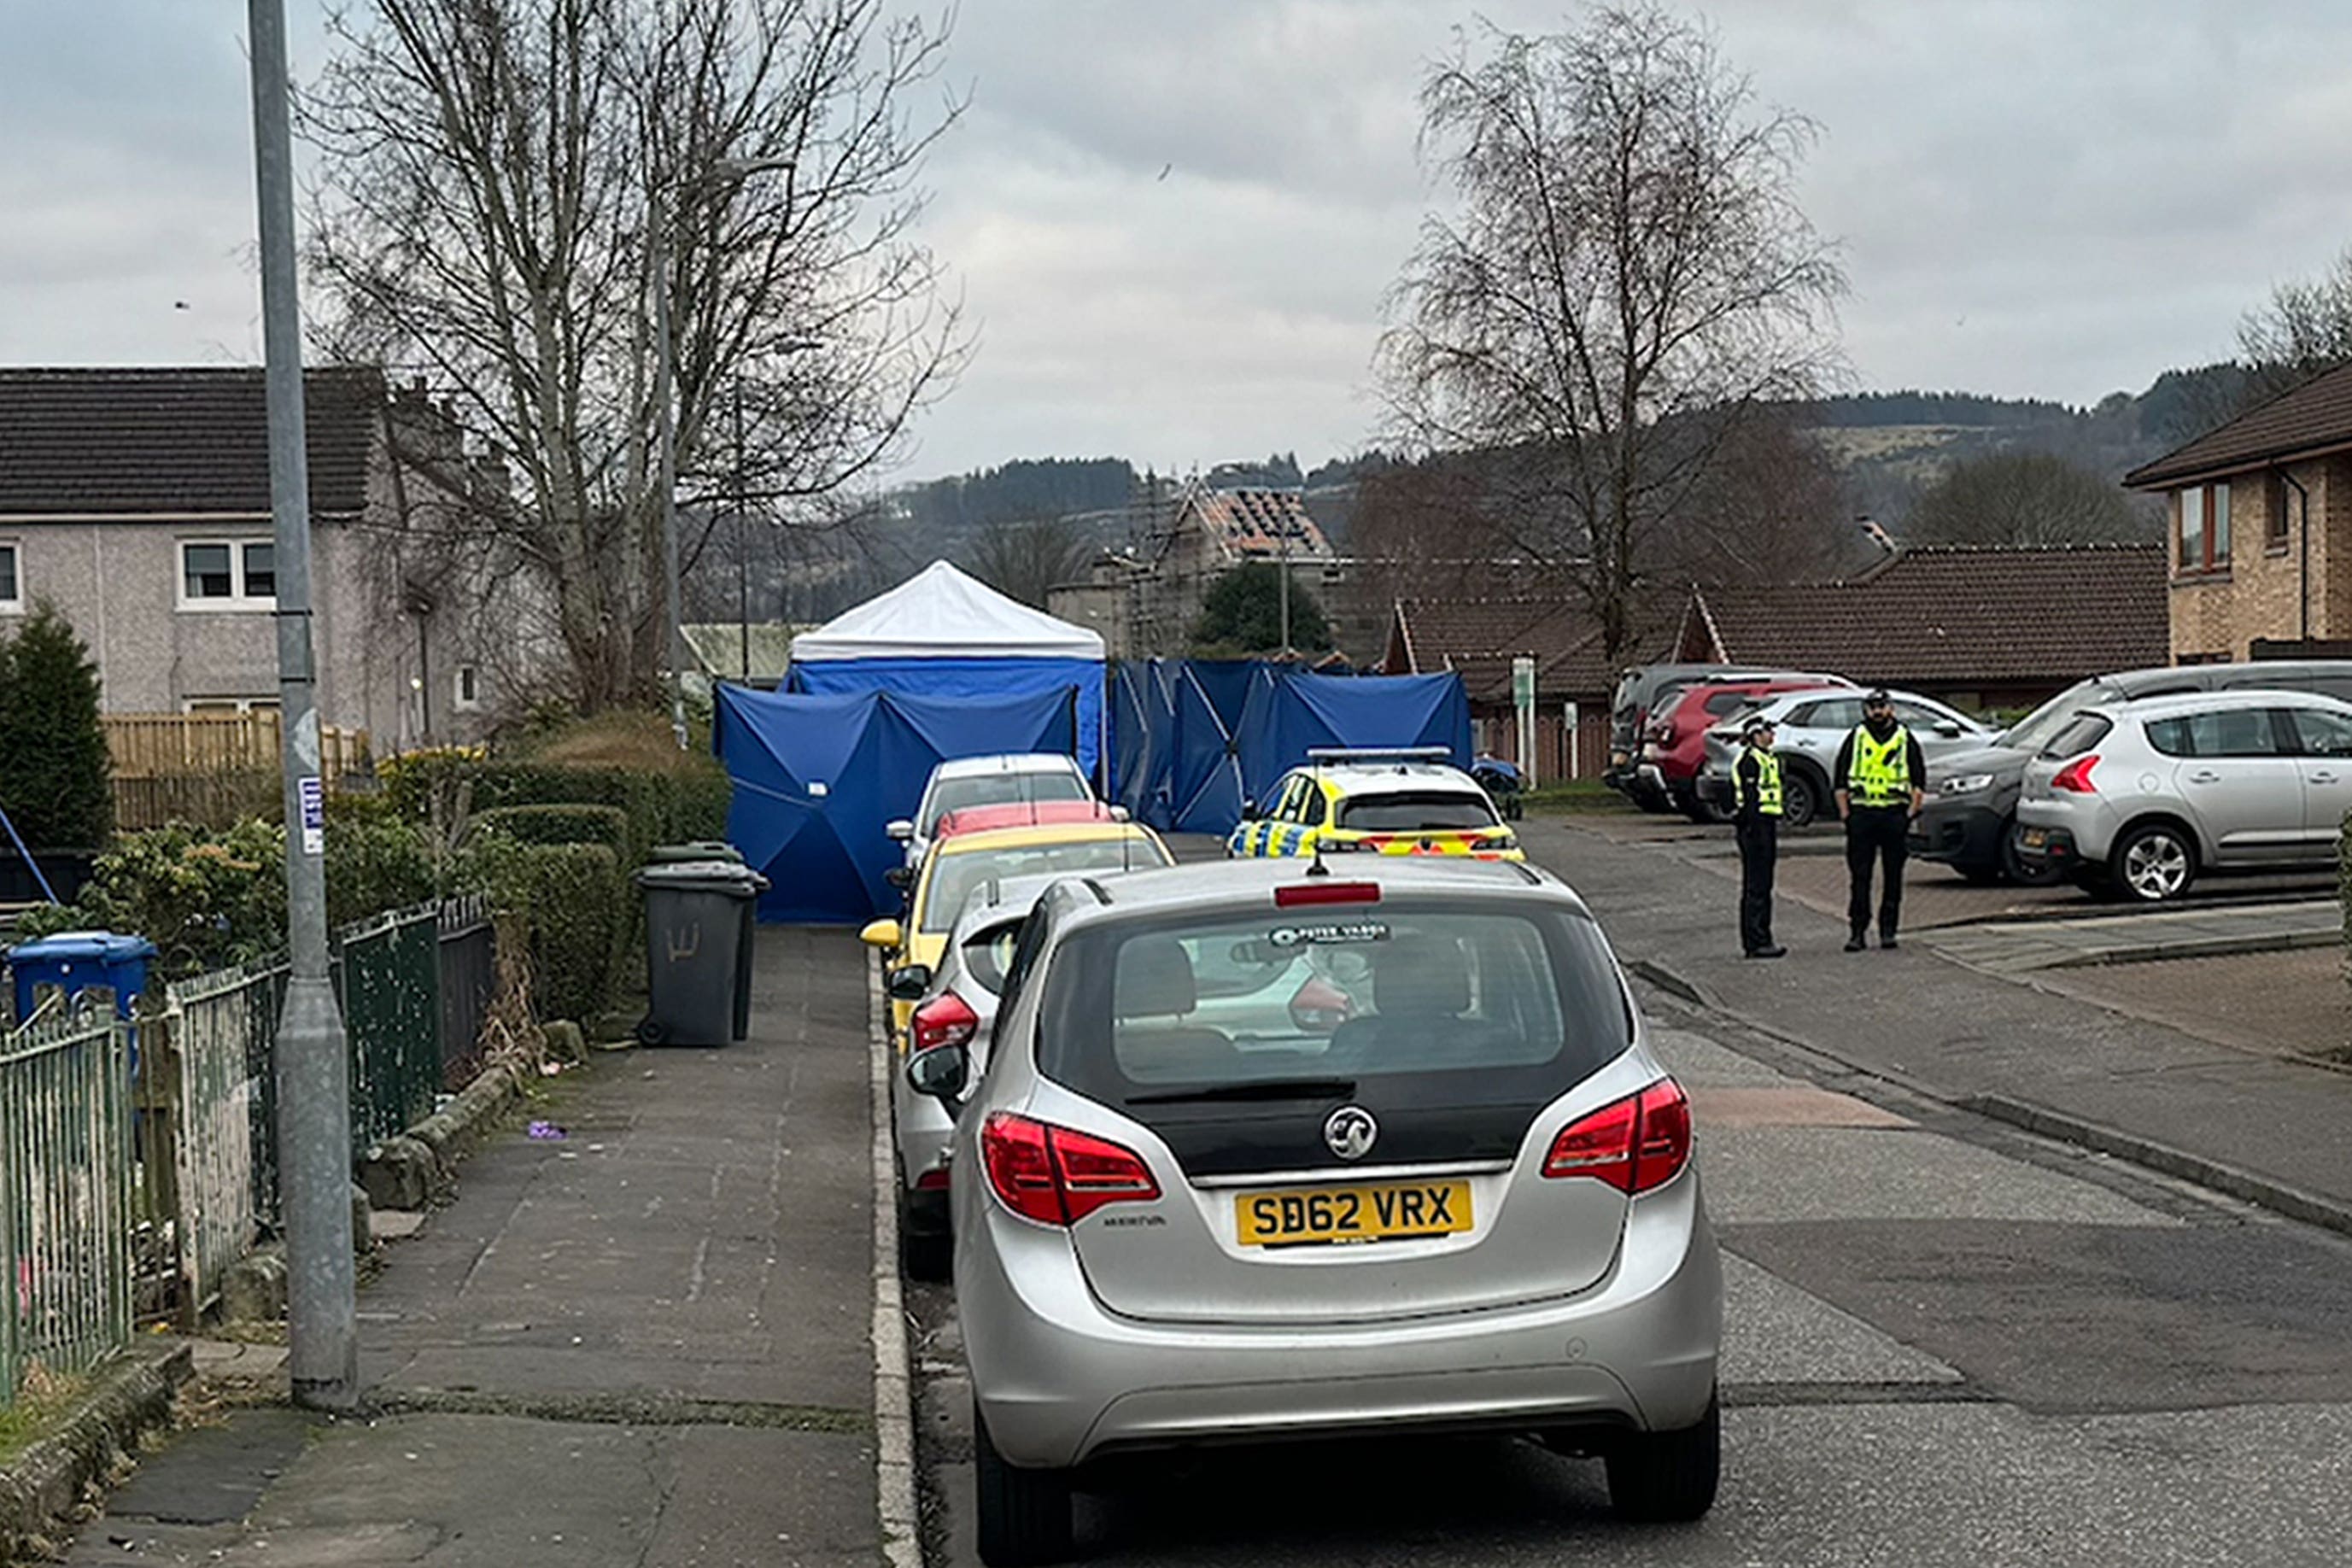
(661, 205)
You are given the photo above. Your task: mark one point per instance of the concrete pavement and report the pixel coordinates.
(646, 1342)
(2269, 1130)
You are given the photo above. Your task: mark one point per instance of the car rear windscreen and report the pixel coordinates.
(1002, 789)
(1456, 1002)
(2086, 729)
(959, 873)
(1415, 811)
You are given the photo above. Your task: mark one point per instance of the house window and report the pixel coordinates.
(2274, 518)
(469, 687)
(12, 586)
(2204, 527)
(227, 574)
(229, 705)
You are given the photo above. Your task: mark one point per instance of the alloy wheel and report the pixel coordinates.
(2156, 865)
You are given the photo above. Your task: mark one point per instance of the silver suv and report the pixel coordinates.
(2142, 797)
(1188, 1209)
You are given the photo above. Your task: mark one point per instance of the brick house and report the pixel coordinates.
(138, 503)
(2259, 525)
(1479, 637)
(1982, 628)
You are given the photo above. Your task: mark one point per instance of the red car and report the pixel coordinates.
(1674, 747)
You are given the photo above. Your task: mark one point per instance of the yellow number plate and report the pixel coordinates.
(1389, 1212)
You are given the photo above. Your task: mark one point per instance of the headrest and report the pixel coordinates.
(1155, 979)
(1421, 977)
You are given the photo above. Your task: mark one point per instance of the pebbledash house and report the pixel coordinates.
(137, 501)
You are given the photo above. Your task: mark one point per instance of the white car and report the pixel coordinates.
(1015, 779)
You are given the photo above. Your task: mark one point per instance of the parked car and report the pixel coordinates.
(939, 887)
(955, 1005)
(1011, 779)
(1377, 803)
(1175, 1225)
(1811, 726)
(1641, 693)
(2141, 798)
(1676, 745)
(1971, 820)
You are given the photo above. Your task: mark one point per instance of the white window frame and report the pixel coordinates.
(458, 700)
(238, 599)
(14, 604)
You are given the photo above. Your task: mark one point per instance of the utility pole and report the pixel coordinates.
(742, 548)
(1283, 523)
(314, 1130)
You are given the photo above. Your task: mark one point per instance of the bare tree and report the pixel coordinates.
(1629, 273)
(496, 174)
(2025, 498)
(2304, 327)
(1025, 558)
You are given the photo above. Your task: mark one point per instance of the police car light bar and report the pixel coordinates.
(1367, 754)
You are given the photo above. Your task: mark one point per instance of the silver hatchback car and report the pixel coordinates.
(1441, 1180)
(2140, 798)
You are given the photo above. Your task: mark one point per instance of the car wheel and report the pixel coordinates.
(1701, 810)
(2152, 864)
(2025, 873)
(1666, 1477)
(1801, 800)
(1025, 1515)
(1977, 874)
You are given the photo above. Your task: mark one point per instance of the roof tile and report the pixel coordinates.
(2308, 418)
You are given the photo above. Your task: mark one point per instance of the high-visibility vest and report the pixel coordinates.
(1880, 773)
(1767, 781)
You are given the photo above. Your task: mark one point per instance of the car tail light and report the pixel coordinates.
(2074, 778)
(1056, 1177)
(1635, 1144)
(932, 1181)
(945, 1020)
(1290, 896)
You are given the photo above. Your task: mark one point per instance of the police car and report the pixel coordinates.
(1375, 802)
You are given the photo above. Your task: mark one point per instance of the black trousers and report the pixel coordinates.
(1760, 852)
(1875, 836)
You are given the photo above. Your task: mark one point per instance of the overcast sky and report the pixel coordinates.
(1173, 221)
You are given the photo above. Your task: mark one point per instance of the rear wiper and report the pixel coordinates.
(1261, 1088)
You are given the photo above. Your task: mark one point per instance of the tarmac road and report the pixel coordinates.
(1948, 1343)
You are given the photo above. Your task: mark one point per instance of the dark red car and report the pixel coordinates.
(1674, 747)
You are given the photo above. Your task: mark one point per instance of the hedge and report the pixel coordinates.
(658, 807)
(606, 825)
(569, 902)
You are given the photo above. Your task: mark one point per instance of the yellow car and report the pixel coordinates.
(1384, 804)
(959, 861)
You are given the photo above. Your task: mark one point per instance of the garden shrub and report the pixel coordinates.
(55, 777)
(375, 862)
(206, 898)
(606, 825)
(568, 902)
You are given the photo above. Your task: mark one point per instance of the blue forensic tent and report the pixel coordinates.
(941, 634)
(1196, 739)
(819, 778)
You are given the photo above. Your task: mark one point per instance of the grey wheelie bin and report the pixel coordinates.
(719, 850)
(698, 931)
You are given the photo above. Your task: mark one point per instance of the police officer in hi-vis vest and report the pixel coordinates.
(1882, 783)
(1756, 789)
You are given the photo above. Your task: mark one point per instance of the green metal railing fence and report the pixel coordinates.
(388, 976)
(65, 1170)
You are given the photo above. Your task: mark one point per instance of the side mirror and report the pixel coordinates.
(940, 1072)
(1949, 729)
(883, 933)
(907, 983)
(900, 877)
(1249, 809)
(901, 830)
(1120, 814)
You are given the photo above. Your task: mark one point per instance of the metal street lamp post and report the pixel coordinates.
(313, 1075)
(661, 209)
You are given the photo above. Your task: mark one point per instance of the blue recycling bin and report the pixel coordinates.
(78, 960)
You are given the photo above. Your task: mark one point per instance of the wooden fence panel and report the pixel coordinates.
(213, 768)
